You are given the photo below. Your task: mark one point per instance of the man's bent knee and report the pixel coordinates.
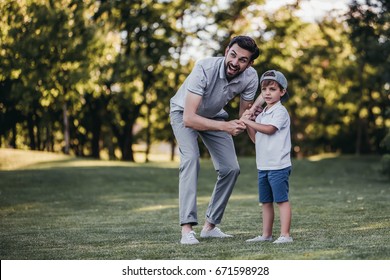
(229, 171)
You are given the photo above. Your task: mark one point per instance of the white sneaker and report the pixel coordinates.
(283, 239)
(260, 238)
(215, 232)
(189, 238)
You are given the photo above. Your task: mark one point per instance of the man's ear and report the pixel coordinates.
(226, 51)
(250, 64)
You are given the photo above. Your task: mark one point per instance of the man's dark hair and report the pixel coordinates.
(247, 43)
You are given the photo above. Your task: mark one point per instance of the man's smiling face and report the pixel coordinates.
(237, 60)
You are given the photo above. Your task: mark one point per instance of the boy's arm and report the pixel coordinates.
(257, 106)
(258, 102)
(263, 128)
(251, 133)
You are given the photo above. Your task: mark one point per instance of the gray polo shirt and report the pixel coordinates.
(273, 151)
(208, 79)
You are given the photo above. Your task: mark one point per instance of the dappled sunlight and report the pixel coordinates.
(374, 226)
(7, 210)
(202, 200)
(13, 159)
(159, 152)
(87, 163)
(106, 163)
(141, 157)
(243, 197)
(115, 199)
(155, 208)
(324, 254)
(323, 156)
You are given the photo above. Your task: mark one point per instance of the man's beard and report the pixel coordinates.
(231, 71)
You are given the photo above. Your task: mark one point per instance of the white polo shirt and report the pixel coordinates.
(273, 151)
(208, 79)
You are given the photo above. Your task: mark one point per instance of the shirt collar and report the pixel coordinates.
(270, 110)
(222, 73)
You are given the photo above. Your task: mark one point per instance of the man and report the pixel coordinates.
(197, 110)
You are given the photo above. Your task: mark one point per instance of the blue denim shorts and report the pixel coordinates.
(273, 185)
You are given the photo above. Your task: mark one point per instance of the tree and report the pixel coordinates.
(44, 45)
(369, 35)
(148, 36)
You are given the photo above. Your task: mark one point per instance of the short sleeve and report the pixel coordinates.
(280, 118)
(249, 92)
(197, 80)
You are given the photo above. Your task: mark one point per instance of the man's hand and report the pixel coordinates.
(235, 127)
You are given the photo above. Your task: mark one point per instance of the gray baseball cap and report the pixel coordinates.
(278, 77)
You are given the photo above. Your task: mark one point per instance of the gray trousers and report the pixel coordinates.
(221, 148)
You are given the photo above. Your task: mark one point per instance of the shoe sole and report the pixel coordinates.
(215, 236)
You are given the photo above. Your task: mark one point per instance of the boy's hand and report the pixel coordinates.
(255, 111)
(247, 114)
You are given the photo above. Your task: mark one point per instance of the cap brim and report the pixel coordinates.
(285, 97)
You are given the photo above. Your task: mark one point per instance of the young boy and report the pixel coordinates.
(271, 134)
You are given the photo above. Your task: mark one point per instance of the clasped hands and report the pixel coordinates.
(238, 126)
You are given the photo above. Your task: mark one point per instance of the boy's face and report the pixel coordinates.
(271, 91)
(237, 60)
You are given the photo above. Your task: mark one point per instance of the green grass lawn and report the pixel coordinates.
(58, 207)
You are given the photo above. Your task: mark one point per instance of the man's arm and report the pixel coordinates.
(244, 105)
(193, 120)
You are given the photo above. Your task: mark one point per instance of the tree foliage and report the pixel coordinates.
(94, 78)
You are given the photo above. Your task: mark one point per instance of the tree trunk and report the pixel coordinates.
(30, 129)
(13, 139)
(39, 139)
(111, 149)
(148, 133)
(127, 150)
(47, 141)
(173, 147)
(359, 132)
(66, 128)
(96, 131)
(358, 136)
